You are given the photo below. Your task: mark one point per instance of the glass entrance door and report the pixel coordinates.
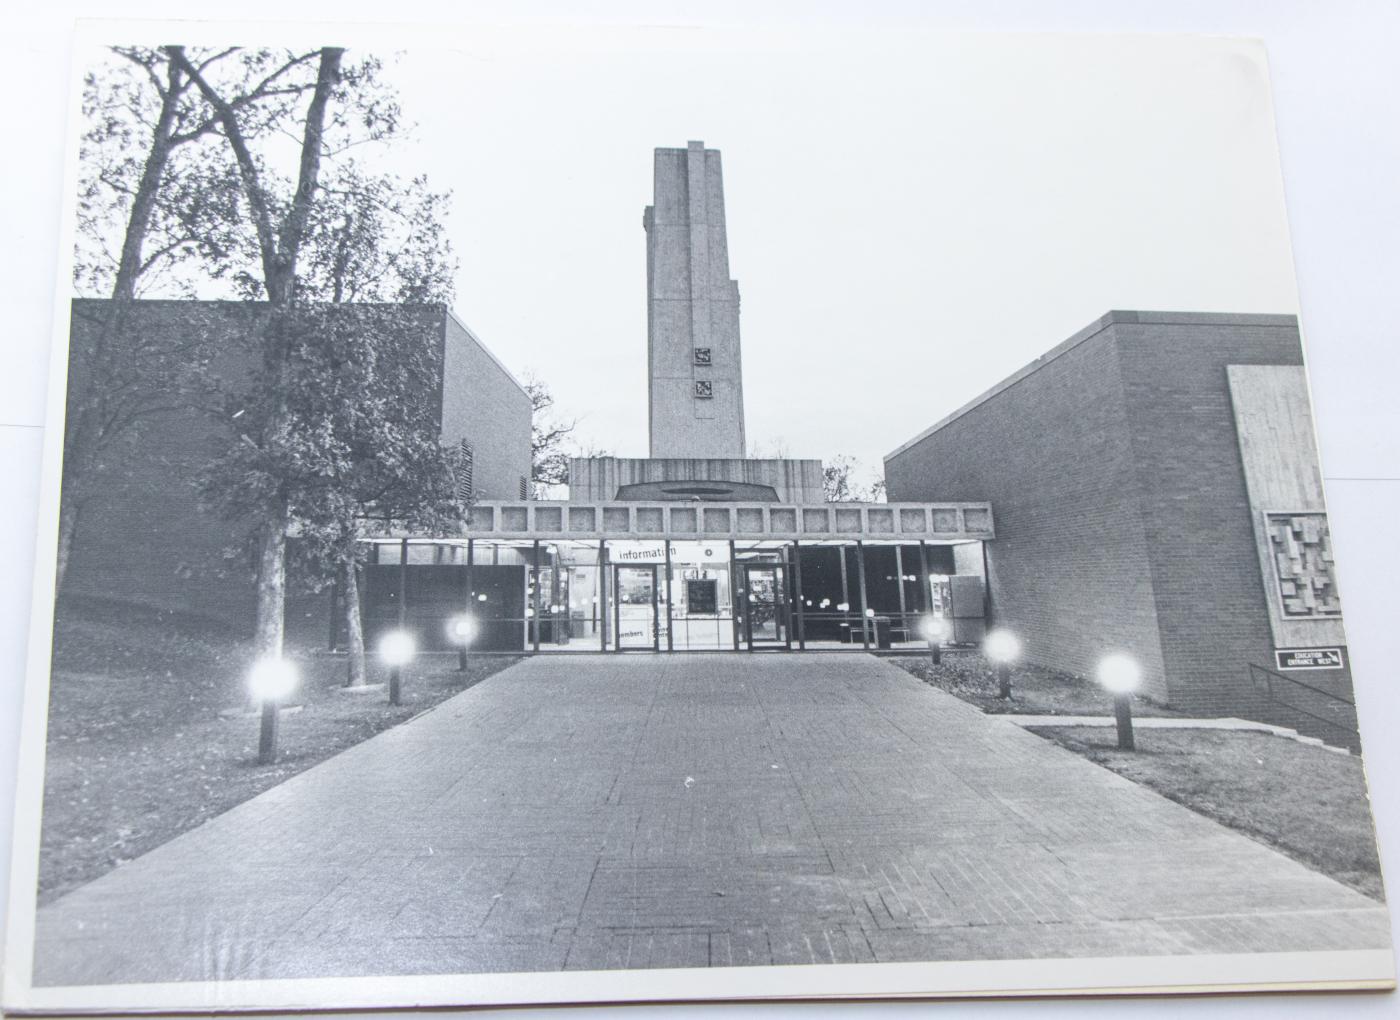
(635, 609)
(765, 606)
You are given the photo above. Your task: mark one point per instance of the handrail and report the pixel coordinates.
(1270, 676)
(1301, 683)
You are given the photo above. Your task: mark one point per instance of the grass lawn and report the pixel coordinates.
(1034, 691)
(139, 753)
(1309, 803)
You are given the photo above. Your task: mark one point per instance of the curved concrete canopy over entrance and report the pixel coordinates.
(693, 491)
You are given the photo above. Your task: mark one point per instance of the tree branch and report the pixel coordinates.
(294, 226)
(247, 167)
(150, 73)
(262, 90)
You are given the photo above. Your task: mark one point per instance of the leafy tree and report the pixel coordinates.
(262, 475)
(366, 443)
(332, 424)
(379, 239)
(376, 239)
(337, 423)
(147, 136)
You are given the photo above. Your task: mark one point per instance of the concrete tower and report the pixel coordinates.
(696, 393)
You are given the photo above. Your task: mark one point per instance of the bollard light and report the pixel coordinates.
(462, 631)
(271, 681)
(1120, 674)
(933, 628)
(935, 631)
(1002, 647)
(396, 649)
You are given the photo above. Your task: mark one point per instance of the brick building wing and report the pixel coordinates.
(1157, 491)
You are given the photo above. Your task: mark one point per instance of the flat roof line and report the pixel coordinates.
(1093, 329)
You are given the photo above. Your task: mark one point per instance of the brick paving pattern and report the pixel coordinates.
(691, 811)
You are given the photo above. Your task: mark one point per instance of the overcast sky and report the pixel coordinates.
(911, 216)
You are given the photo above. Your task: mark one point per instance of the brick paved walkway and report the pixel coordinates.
(602, 812)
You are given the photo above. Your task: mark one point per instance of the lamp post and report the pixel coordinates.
(1002, 647)
(396, 649)
(935, 632)
(462, 630)
(271, 681)
(1120, 674)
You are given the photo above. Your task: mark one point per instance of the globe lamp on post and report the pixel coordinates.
(271, 681)
(935, 631)
(396, 649)
(1002, 648)
(1120, 675)
(462, 630)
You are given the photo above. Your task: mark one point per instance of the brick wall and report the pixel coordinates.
(1196, 510)
(1069, 569)
(483, 403)
(1114, 472)
(143, 538)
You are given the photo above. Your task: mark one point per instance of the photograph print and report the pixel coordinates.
(438, 603)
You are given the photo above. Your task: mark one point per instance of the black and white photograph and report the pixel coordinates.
(617, 511)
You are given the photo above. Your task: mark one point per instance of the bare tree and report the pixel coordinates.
(777, 449)
(840, 483)
(549, 438)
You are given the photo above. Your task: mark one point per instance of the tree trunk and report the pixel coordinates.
(272, 585)
(279, 247)
(280, 261)
(354, 632)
